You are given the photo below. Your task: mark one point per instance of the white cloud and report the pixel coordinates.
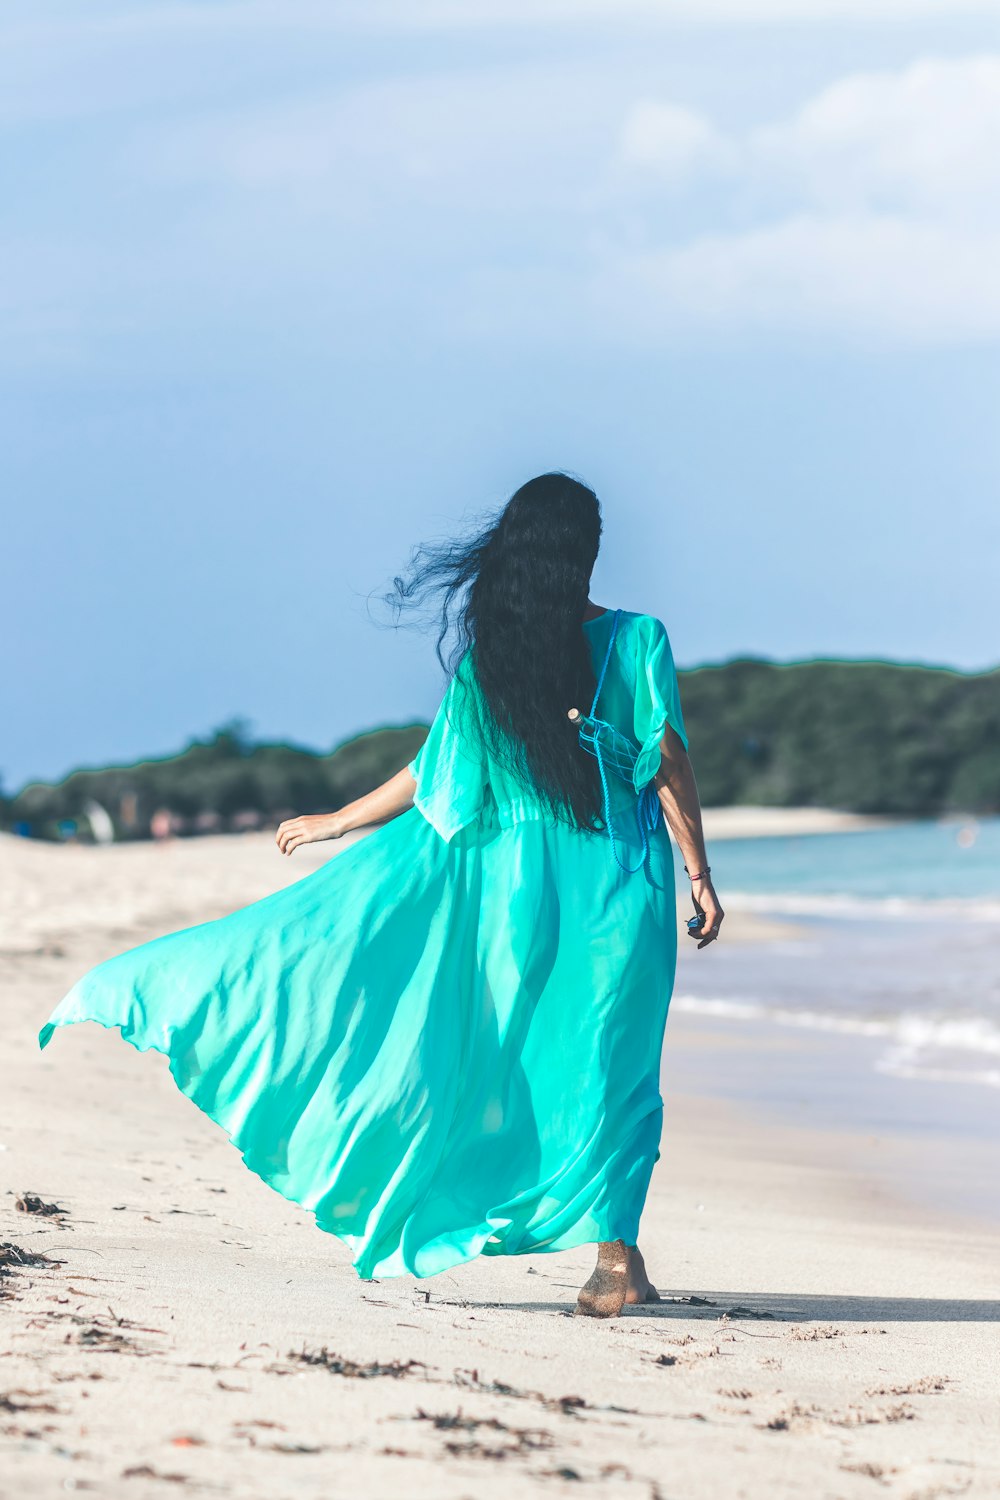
(674, 140)
(470, 14)
(441, 152)
(669, 12)
(871, 213)
(509, 200)
(927, 138)
(872, 280)
(53, 22)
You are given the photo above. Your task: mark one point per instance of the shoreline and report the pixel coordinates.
(932, 1148)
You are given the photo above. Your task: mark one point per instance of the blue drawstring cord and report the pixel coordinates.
(648, 805)
(647, 813)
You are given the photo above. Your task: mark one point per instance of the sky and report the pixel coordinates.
(288, 287)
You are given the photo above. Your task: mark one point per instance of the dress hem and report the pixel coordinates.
(566, 1241)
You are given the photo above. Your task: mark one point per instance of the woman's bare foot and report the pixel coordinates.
(640, 1288)
(618, 1278)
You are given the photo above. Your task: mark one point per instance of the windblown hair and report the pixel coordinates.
(514, 597)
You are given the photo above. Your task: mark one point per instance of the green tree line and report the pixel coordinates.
(223, 782)
(870, 737)
(873, 737)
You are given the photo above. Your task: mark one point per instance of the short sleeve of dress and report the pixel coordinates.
(657, 697)
(450, 766)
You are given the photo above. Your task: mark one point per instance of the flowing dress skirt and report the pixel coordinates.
(439, 1048)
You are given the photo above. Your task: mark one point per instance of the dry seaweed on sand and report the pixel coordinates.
(14, 1258)
(812, 1333)
(33, 1203)
(105, 1334)
(146, 1471)
(336, 1364)
(108, 1339)
(245, 1430)
(568, 1406)
(739, 1311)
(515, 1442)
(10, 1402)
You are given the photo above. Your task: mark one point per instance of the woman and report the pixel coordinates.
(446, 1041)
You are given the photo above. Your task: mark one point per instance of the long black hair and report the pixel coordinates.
(514, 596)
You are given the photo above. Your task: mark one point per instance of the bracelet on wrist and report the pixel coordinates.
(701, 874)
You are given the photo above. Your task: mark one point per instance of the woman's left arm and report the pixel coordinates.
(380, 806)
(678, 793)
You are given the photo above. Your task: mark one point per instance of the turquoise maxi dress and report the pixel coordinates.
(446, 1041)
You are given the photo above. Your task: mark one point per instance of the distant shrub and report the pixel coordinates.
(216, 783)
(863, 736)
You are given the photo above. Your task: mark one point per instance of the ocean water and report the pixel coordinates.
(888, 935)
(939, 868)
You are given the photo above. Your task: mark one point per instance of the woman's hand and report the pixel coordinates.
(705, 900)
(313, 830)
(379, 806)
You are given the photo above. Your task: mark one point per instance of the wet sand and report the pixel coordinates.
(821, 1333)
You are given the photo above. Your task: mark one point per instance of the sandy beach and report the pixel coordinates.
(824, 1331)
(778, 822)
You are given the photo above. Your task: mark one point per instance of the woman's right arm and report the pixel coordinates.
(387, 801)
(678, 794)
